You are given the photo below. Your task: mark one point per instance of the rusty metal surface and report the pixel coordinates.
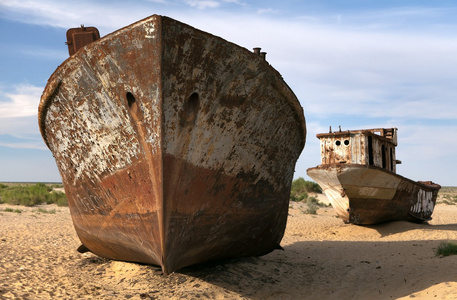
(358, 176)
(370, 195)
(175, 146)
(374, 147)
(80, 37)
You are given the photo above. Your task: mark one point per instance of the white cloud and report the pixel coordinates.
(159, 1)
(336, 71)
(22, 102)
(266, 11)
(66, 14)
(18, 117)
(203, 4)
(333, 69)
(21, 133)
(428, 152)
(423, 142)
(235, 2)
(398, 15)
(39, 144)
(20, 127)
(44, 53)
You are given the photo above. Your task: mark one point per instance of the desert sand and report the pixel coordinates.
(323, 258)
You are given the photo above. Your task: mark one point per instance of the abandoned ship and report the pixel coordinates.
(358, 175)
(175, 146)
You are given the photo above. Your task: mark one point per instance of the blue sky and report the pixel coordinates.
(358, 64)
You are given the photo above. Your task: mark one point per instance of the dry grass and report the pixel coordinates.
(447, 195)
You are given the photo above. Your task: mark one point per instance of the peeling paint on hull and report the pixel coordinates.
(358, 175)
(175, 147)
(370, 195)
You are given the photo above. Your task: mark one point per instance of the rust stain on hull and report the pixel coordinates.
(175, 146)
(358, 176)
(369, 195)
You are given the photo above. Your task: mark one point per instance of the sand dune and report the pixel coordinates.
(323, 258)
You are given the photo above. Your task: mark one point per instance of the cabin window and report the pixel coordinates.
(370, 151)
(346, 142)
(383, 151)
(338, 143)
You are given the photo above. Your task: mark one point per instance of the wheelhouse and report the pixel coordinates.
(374, 147)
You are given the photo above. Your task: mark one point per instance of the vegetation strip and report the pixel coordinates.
(32, 194)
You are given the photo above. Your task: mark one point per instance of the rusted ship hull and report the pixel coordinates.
(175, 147)
(366, 195)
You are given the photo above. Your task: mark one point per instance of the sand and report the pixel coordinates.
(323, 258)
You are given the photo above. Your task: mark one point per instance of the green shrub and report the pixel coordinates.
(58, 198)
(18, 211)
(313, 187)
(299, 197)
(61, 200)
(301, 187)
(45, 211)
(446, 249)
(30, 195)
(56, 186)
(312, 205)
(299, 192)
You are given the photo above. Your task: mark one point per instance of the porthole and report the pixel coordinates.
(134, 109)
(191, 107)
(192, 103)
(338, 143)
(346, 142)
(130, 99)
